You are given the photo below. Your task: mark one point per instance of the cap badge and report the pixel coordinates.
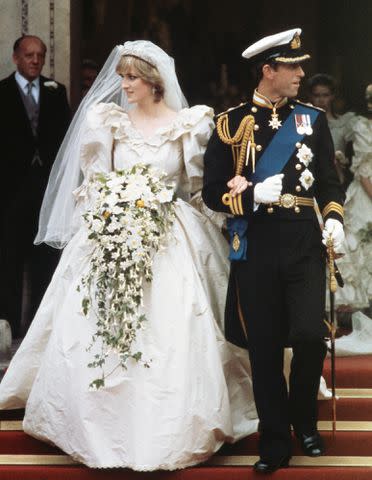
(296, 42)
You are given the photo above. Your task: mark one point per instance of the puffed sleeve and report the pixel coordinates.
(200, 121)
(97, 143)
(96, 149)
(362, 165)
(362, 160)
(349, 120)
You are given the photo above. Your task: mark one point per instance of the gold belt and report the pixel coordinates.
(287, 200)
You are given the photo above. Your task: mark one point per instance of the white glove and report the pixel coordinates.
(269, 190)
(334, 228)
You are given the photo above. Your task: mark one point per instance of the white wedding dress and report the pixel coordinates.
(356, 265)
(197, 392)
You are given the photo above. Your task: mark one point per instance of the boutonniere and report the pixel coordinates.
(51, 84)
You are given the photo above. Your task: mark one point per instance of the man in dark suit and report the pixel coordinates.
(34, 118)
(266, 163)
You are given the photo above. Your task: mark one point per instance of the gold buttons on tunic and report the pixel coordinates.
(298, 166)
(256, 127)
(297, 209)
(291, 106)
(254, 109)
(258, 148)
(270, 210)
(298, 188)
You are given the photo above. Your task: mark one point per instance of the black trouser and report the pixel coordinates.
(282, 293)
(18, 255)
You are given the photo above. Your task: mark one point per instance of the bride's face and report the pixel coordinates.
(137, 90)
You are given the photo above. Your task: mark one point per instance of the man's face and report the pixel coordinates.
(30, 58)
(286, 79)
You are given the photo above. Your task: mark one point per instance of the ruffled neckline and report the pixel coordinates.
(123, 128)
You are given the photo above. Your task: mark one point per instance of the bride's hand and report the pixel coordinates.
(237, 185)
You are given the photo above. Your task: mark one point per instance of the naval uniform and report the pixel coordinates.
(276, 294)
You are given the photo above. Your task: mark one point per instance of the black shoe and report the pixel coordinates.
(312, 445)
(263, 466)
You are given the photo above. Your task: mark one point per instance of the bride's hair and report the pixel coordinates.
(145, 70)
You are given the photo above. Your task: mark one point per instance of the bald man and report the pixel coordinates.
(34, 118)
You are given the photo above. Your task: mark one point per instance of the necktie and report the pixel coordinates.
(32, 108)
(31, 98)
(33, 113)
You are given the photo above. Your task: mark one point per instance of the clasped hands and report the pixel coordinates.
(267, 191)
(270, 190)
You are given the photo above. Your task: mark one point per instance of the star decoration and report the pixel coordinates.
(275, 123)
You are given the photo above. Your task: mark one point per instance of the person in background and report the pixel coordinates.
(35, 117)
(322, 94)
(356, 265)
(89, 72)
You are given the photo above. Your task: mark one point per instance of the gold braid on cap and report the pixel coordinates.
(239, 142)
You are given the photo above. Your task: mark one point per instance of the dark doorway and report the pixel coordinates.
(206, 39)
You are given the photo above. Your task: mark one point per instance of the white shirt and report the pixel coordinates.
(23, 82)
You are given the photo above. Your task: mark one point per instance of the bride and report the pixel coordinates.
(196, 393)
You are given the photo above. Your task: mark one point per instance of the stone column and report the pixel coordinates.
(49, 20)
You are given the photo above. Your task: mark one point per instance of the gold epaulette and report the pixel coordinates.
(231, 108)
(310, 105)
(241, 143)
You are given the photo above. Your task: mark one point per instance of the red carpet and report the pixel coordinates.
(352, 372)
(343, 444)
(357, 409)
(199, 473)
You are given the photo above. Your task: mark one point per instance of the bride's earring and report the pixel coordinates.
(153, 90)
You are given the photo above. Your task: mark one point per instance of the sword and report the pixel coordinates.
(332, 324)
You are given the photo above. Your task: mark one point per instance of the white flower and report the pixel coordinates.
(131, 193)
(147, 194)
(306, 179)
(96, 225)
(137, 180)
(165, 195)
(51, 84)
(133, 241)
(111, 199)
(305, 155)
(126, 236)
(113, 226)
(116, 182)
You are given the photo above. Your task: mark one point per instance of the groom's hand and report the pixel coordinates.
(237, 185)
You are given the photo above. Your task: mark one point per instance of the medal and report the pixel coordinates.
(303, 124)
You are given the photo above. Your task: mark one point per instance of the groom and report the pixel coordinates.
(35, 117)
(266, 163)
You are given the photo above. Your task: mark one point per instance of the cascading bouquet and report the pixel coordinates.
(130, 218)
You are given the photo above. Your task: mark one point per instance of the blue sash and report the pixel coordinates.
(273, 160)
